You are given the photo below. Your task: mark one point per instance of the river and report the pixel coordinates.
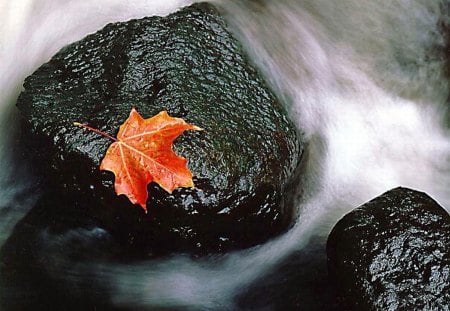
(365, 80)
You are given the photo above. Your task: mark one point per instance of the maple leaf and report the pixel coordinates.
(142, 153)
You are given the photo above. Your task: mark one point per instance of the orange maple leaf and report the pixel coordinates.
(142, 153)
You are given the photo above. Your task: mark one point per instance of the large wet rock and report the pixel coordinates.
(393, 253)
(244, 162)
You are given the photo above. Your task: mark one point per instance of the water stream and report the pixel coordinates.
(365, 80)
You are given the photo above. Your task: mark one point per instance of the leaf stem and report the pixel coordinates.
(94, 130)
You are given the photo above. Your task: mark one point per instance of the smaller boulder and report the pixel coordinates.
(392, 253)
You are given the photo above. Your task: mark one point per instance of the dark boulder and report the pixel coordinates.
(245, 162)
(393, 253)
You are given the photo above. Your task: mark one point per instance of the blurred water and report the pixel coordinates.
(365, 81)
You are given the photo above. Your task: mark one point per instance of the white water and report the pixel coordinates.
(364, 80)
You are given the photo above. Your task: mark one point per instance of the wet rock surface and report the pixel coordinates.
(393, 253)
(244, 162)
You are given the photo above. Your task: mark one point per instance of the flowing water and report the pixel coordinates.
(365, 80)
